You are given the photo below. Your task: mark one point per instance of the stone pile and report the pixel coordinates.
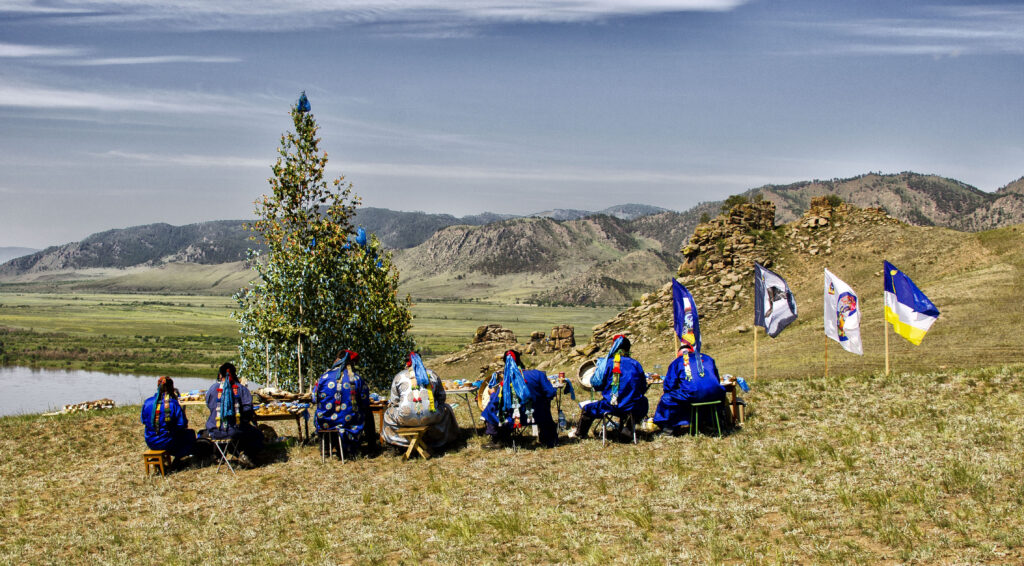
(98, 405)
(563, 337)
(817, 231)
(493, 333)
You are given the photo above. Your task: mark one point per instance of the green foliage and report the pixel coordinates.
(833, 200)
(704, 218)
(319, 290)
(733, 201)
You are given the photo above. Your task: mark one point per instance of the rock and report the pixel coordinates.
(742, 329)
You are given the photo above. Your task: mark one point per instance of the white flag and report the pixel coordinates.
(842, 314)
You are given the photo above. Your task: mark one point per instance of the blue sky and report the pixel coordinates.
(123, 112)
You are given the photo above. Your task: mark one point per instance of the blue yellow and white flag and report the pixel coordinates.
(842, 314)
(909, 311)
(774, 304)
(684, 315)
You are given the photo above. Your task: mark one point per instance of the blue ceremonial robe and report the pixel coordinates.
(172, 434)
(343, 402)
(542, 392)
(631, 399)
(682, 388)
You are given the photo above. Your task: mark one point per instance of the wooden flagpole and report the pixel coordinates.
(755, 353)
(886, 324)
(826, 355)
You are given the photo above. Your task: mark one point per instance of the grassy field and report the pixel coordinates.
(858, 469)
(190, 335)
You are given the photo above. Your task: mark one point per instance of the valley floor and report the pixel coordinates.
(862, 469)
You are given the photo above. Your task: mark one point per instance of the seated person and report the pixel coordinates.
(519, 398)
(343, 401)
(418, 399)
(232, 416)
(622, 383)
(166, 423)
(691, 378)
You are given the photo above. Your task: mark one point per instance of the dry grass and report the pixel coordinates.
(914, 468)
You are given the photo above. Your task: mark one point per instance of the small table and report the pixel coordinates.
(286, 417)
(279, 417)
(465, 393)
(378, 408)
(735, 409)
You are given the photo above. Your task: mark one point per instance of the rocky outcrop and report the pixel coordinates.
(563, 337)
(493, 333)
(718, 267)
(731, 239)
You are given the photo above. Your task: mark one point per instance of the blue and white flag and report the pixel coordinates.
(774, 304)
(909, 311)
(842, 314)
(684, 316)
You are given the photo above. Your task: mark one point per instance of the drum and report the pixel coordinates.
(586, 371)
(483, 397)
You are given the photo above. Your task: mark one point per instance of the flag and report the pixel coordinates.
(906, 307)
(774, 305)
(684, 315)
(842, 314)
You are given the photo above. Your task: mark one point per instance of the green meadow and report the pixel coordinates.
(190, 335)
(913, 468)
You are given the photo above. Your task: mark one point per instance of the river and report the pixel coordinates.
(30, 390)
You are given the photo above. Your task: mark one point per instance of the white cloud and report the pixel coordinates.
(947, 31)
(14, 95)
(276, 14)
(14, 50)
(153, 60)
(458, 172)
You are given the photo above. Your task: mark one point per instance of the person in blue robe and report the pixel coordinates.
(691, 378)
(166, 423)
(232, 416)
(343, 401)
(519, 398)
(623, 385)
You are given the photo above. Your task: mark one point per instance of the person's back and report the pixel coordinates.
(691, 378)
(623, 385)
(418, 399)
(342, 400)
(538, 395)
(232, 416)
(166, 426)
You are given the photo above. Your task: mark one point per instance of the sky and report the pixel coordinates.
(117, 113)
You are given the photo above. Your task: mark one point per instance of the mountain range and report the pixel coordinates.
(560, 256)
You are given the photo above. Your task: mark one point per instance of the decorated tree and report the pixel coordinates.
(322, 285)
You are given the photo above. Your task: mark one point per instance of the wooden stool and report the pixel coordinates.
(158, 459)
(695, 409)
(415, 436)
(327, 438)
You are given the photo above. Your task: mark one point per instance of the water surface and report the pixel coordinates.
(31, 390)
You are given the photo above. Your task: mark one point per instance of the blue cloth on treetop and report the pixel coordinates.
(682, 388)
(632, 387)
(342, 401)
(173, 434)
(542, 393)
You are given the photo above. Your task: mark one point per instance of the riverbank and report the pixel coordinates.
(851, 469)
(192, 335)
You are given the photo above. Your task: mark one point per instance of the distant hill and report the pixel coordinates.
(922, 200)
(150, 245)
(594, 260)
(621, 211)
(606, 257)
(9, 253)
